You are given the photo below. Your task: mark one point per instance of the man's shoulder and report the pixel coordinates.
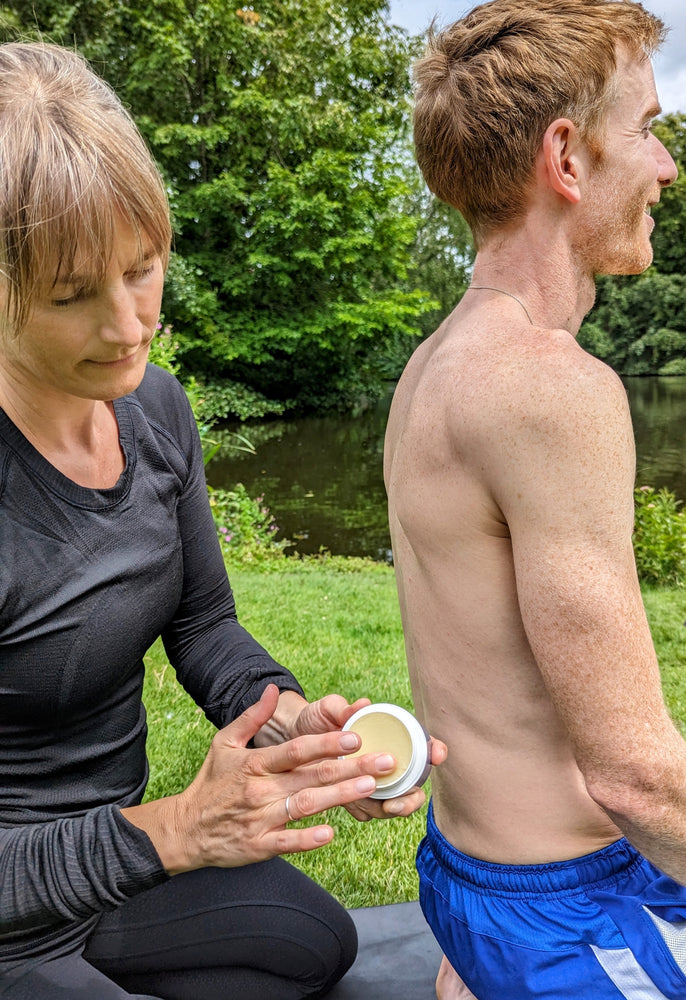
(561, 371)
(457, 355)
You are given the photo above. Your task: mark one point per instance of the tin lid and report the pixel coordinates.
(386, 728)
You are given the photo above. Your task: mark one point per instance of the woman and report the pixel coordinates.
(107, 542)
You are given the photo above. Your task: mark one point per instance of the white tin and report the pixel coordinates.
(391, 729)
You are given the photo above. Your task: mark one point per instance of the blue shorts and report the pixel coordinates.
(601, 927)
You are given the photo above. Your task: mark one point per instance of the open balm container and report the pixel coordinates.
(390, 729)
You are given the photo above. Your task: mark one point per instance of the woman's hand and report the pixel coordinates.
(234, 812)
(332, 712)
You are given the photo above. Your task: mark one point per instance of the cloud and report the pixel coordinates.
(670, 62)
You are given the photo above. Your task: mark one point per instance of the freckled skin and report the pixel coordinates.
(510, 465)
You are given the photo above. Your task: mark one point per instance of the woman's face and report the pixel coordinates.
(91, 343)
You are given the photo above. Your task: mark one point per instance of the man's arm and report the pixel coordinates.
(563, 476)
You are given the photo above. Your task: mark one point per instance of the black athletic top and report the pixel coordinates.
(88, 580)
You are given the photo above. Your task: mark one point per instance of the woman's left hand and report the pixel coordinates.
(331, 713)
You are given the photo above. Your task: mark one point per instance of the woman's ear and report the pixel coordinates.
(563, 159)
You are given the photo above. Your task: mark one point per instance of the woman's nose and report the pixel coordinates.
(120, 323)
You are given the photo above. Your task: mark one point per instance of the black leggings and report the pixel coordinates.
(262, 932)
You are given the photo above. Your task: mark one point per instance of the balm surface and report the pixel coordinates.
(383, 733)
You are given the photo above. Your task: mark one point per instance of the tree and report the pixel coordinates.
(669, 237)
(280, 128)
(442, 255)
(638, 325)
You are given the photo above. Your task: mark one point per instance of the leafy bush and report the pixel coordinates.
(245, 526)
(659, 537)
(211, 400)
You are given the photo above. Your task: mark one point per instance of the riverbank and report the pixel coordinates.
(321, 476)
(335, 623)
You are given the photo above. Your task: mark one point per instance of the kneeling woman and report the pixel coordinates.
(108, 542)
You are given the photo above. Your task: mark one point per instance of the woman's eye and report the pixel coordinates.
(70, 300)
(144, 272)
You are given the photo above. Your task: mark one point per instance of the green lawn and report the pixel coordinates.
(336, 625)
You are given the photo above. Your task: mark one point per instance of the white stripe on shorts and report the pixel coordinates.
(631, 980)
(673, 935)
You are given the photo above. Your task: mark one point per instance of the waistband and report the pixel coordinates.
(586, 872)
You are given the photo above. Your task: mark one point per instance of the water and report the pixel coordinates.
(322, 476)
(658, 411)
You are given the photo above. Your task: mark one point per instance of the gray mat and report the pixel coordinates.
(398, 956)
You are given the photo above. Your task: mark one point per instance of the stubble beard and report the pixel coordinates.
(619, 241)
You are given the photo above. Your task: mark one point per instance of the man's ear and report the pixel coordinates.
(563, 158)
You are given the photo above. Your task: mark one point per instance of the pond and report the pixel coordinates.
(322, 476)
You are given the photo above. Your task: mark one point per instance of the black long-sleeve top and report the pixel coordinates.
(88, 580)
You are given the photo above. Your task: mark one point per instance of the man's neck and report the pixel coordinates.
(536, 264)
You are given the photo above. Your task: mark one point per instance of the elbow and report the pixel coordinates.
(631, 796)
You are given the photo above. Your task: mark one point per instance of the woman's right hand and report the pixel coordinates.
(234, 812)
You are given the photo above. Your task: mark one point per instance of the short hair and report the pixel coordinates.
(72, 165)
(489, 85)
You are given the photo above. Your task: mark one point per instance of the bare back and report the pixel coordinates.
(470, 452)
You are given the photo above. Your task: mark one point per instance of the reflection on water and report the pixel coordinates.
(658, 409)
(322, 476)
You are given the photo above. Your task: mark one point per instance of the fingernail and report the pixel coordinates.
(365, 784)
(349, 741)
(385, 762)
(394, 807)
(322, 835)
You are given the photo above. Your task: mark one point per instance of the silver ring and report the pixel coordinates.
(291, 819)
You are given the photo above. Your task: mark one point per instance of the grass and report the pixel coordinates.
(336, 624)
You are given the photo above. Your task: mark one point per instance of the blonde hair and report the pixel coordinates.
(72, 164)
(489, 85)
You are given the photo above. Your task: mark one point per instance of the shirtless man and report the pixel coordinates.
(509, 467)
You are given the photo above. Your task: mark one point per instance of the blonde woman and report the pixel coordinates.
(107, 542)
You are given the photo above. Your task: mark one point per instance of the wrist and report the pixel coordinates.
(160, 820)
(283, 724)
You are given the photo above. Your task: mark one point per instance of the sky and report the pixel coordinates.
(669, 64)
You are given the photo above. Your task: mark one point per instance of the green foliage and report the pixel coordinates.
(211, 400)
(245, 526)
(443, 253)
(669, 237)
(282, 132)
(225, 398)
(659, 537)
(638, 325)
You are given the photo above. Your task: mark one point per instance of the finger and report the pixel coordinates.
(387, 808)
(368, 809)
(439, 752)
(365, 809)
(303, 751)
(355, 707)
(313, 800)
(296, 841)
(330, 712)
(239, 732)
(332, 772)
(405, 805)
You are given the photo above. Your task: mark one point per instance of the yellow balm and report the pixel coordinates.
(390, 729)
(383, 733)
